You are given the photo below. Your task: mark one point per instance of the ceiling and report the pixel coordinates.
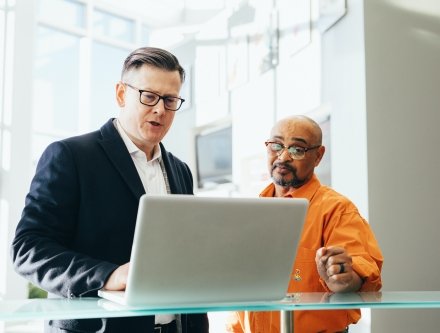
(170, 13)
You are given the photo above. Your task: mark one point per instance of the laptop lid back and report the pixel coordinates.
(191, 249)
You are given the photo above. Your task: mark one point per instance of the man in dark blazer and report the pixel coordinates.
(76, 230)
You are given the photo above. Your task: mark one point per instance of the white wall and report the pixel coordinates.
(402, 44)
(385, 137)
(343, 92)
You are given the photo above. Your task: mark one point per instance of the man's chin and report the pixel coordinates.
(281, 181)
(287, 182)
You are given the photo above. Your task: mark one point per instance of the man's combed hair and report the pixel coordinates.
(155, 57)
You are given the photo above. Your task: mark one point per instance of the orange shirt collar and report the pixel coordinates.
(306, 191)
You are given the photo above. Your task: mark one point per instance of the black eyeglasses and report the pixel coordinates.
(150, 98)
(295, 152)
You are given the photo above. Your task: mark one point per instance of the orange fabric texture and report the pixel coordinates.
(332, 220)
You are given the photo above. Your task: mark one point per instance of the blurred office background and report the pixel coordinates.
(367, 71)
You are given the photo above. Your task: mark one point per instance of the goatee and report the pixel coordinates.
(294, 182)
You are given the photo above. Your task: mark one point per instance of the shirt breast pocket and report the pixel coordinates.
(305, 277)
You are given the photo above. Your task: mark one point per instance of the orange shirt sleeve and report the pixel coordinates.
(353, 233)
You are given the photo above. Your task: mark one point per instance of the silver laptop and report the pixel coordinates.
(191, 250)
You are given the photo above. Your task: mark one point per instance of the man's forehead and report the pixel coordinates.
(292, 130)
(290, 138)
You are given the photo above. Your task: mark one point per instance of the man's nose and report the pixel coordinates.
(159, 107)
(284, 155)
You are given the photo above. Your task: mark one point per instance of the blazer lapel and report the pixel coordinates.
(117, 152)
(171, 171)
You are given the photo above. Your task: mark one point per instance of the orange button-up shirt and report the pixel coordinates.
(332, 220)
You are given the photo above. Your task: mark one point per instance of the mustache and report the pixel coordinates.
(284, 165)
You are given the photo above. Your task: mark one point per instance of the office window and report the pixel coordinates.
(106, 66)
(68, 13)
(4, 253)
(75, 68)
(56, 82)
(7, 30)
(6, 150)
(39, 143)
(108, 25)
(2, 52)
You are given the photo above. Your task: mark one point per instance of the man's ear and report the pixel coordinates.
(120, 94)
(319, 155)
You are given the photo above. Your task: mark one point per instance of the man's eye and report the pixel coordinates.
(149, 97)
(171, 100)
(296, 150)
(276, 146)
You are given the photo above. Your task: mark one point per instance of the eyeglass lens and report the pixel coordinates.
(294, 152)
(151, 99)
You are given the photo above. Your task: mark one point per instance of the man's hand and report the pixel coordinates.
(334, 266)
(118, 279)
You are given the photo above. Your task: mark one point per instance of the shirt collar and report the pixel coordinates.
(306, 191)
(132, 148)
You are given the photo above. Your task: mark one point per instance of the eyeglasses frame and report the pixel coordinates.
(279, 153)
(160, 97)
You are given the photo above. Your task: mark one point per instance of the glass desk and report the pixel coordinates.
(44, 309)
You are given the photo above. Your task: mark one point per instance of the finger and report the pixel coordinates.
(321, 258)
(338, 259)
(338, 269)
(320, 253)
(332, 255)
(335, 250)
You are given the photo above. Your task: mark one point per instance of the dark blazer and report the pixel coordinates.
(78, 222)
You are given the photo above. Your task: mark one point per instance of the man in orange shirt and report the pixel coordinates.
(337, 252)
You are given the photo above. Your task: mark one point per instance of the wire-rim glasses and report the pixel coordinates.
(295, 152)
(149, 98)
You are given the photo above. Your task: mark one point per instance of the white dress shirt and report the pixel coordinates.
(152, 178)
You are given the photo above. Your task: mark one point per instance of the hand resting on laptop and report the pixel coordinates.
(118, 279)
